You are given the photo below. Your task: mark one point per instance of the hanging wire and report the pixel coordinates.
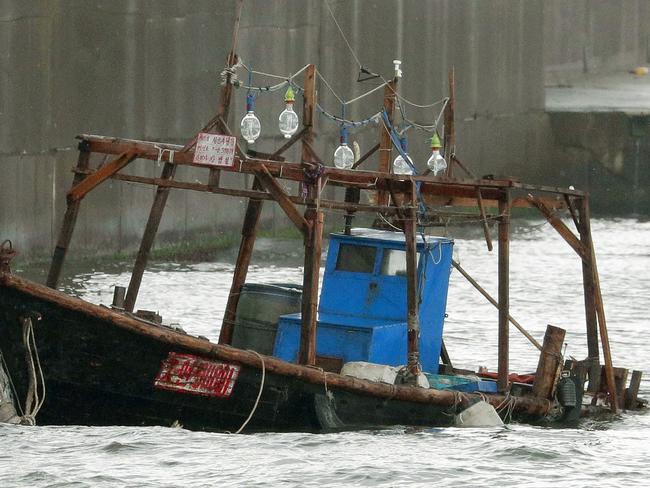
(374, 118)
(354, 55)
(322, 78)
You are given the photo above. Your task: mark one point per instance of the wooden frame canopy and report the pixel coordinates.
(398, 196)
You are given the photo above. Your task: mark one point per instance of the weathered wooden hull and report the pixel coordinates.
(100, 368)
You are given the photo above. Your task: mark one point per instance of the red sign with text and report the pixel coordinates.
(215, 149)
(191, 374)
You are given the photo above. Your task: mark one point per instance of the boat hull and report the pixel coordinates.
(99, 372)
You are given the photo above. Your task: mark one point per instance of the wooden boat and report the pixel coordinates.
(366, 352)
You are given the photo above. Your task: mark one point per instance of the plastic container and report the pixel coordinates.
(259, 308)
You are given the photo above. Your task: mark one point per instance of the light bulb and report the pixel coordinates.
(288, 120)
(437, 163)
(400, 165)
(250, 125)
(344, 156)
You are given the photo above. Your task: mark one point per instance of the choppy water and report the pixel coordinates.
(194, 295)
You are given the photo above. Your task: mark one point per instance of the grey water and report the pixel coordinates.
(546, 287)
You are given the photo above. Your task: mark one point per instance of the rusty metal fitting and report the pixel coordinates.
(7, 253)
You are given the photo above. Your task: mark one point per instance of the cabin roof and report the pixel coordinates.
(386, 236)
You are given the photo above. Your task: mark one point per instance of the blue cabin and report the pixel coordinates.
(363, 307)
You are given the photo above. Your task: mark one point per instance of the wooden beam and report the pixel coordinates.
(504, 293)
(69, 220)
(450, 127)
(604, 337)
(409, 224)
(249, 234)
(294, 138)
(81, 189)
(385, 142)
(370, 152)
(560, 227)
(486, 229)
(309, 308)
(275, 190)
(150, 231)
(591, 319)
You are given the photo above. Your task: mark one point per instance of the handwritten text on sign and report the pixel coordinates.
(191, 374)
(215, 149)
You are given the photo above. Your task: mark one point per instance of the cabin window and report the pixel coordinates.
(394, 262)
(356, 259)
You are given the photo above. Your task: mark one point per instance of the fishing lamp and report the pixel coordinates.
(436, 162)
(400, 165)
(288, 120)
(250, 124)
(343, 156)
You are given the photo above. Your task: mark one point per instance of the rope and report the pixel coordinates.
(374, 118)
(33, 402)
(259, 393)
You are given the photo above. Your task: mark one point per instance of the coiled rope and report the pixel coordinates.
(33, 401)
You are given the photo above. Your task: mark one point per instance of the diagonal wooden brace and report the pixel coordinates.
(562, 229)
(267, 182)
(89, 183)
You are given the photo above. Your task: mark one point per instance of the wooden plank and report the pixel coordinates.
(550, 359)
(249, 233)
(69, 221)
(81, 189)
(309, 308)
(504, 293)
(150, 230)
(632, 392)
(275, 190)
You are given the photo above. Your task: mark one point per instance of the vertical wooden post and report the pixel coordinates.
(150, 230)
(594, 307)
(249, 234)
(412, 317)
(313, 240)
(584, 229)
(504, 291)
(632, 391)
(313, 249)
(450, 125)
(550, 360)
(385, 143)
(604, 337)
(226, 91)
(69, 220)
(309, 102)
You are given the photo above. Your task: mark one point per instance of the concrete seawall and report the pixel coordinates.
(150, 70)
